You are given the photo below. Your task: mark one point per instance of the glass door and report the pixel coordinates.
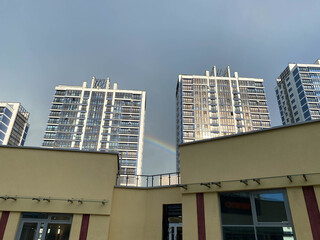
(56, 231)
(43, 226)
(172, 222)
(29, 231)
(175, 231)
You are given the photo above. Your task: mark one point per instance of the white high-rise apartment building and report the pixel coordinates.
(219, 104)
(14, 124)
(298, 92)
(99, 118)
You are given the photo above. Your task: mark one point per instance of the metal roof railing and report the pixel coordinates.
(148, 181)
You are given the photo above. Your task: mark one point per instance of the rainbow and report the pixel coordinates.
(163, 145)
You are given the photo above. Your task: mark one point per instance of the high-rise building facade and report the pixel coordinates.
(298, 92)
(14, 124)
(99, 118)
(219, 104)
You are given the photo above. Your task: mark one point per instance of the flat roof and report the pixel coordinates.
(58, 149)
(251, 132)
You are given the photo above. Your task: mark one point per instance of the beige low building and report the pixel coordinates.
(261, 185)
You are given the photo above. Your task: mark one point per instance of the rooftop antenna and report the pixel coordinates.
(220, 72)
(99, 83)
(212, 71)
(226, 72)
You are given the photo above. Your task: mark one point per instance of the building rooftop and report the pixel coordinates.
(250, 133)
(59, 149)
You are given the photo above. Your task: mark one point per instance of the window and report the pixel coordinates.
(256, 215)
(5, 120)
(44, 226)
(298, 82)
(3, 127)
(306, 115)
(2, 136)
(8, 112)
(60, 92)
(86, 94)
(314, 69)
(304, 69)
(305, 107)
(301, 95)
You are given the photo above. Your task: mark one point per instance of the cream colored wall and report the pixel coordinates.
(12, 226)
(283, 151)
(56, 174)
(299, 213)
(276, 152)
(98, 227)
(189, 217)
(137, 213)
(128, 212)
(270, 183)
(75, 226)
(317, 193)
(155, 200)
(212, 216)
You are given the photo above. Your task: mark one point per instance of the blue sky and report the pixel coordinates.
(145, 45)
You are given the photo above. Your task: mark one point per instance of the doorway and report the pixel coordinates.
(175, 231)
(44, 226)
(172, 222)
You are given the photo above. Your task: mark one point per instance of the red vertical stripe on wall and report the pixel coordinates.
(84, 227)
(313, 211)
(3, 223)
(200, 217)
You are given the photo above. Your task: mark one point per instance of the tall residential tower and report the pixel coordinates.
(99, 118)
(298, 92)
(219, 104)
(14, 124)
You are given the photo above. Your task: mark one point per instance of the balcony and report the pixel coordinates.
(148, 181)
